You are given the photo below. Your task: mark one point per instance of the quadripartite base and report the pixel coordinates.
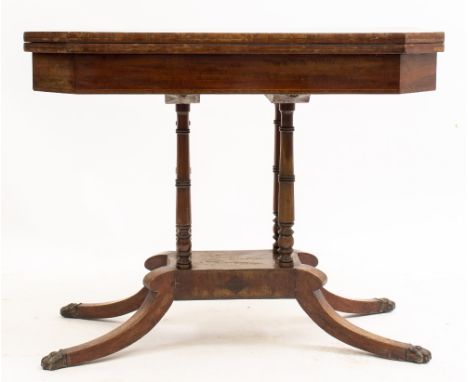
(231, 275)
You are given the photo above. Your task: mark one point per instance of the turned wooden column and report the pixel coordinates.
(183, 201)
(284, 241)
(286, 186)
(276, 124)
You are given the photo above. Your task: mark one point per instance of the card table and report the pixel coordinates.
(285, 67)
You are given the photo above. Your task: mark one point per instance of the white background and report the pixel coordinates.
(88, 195)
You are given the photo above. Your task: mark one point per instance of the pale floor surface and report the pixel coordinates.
(244, 340)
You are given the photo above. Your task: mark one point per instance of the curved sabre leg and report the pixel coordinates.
(370, 306)
(143, 320)
(322, 313)
(106, 309)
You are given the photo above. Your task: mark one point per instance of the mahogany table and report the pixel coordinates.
(287, 68)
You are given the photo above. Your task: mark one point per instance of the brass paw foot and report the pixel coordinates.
(386, 305)
(70, 311)
(418, 354)
(55, 360)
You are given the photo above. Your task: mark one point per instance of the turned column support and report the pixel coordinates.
(284, 194)
(276, 124)
(183, 201)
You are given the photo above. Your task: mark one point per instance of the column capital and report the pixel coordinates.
(182, 98)
(288, 98)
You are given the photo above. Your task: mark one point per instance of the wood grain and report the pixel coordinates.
(231, 48)
(286, 185)
(182, 65)
(105, 309)
(232, 63)
(226, 275)
(259, 38)
(183, 200)
(276, 152)
(233, 43)
(322, 313)
(146, 317)
(368, 306)
(233, 74)
(230, 275)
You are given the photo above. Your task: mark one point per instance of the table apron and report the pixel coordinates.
(233, 73)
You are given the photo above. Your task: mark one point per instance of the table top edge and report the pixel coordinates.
(234, 38)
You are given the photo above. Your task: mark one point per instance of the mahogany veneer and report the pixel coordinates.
(77, 62)
(285, 67)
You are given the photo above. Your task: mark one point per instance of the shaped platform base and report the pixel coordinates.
(231, 275)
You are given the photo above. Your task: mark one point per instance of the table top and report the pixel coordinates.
(233, 63)
(232, 43)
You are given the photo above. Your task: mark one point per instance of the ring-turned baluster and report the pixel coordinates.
(286, 105)
(286, 186)
(183, 202)
(276, 154)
